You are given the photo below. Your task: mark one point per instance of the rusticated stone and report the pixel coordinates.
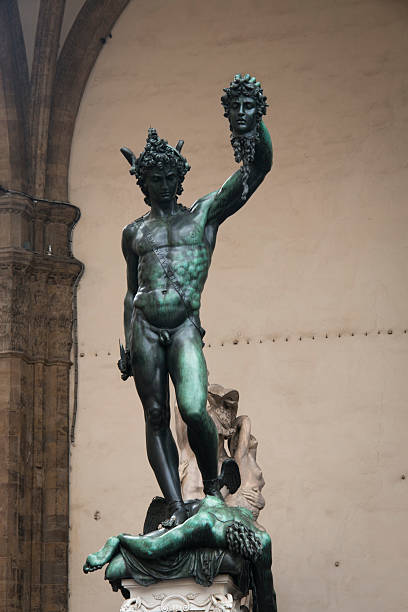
(37, 276)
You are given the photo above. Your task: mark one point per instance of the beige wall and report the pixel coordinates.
(320, 249)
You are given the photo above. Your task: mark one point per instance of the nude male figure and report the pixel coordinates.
(168, 253)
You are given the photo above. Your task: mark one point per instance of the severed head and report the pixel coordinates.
(244, 105)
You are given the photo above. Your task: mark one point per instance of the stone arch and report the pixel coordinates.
(78, 56)
(38, 275)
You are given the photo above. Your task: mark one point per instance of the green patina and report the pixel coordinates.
(217, 539)
(168, 253)
(162, 311)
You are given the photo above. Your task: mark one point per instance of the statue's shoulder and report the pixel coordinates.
(204, 203)
(133, 226)
(129, 234)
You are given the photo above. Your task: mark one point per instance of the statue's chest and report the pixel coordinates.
(173, 232)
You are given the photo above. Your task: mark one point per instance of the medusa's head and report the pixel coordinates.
(160, 156)
(244, 103)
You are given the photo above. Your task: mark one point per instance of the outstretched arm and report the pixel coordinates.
(228, 199)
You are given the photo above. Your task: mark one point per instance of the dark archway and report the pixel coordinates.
(37, 278)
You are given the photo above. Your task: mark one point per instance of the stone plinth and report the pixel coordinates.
(183, 595)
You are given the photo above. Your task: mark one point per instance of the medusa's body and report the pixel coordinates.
(215, 526)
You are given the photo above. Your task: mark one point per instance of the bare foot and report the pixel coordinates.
(92, 563)
(178, 515)
(96, 561)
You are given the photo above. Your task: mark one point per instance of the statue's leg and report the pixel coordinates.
(188, 371)
(95, 561)
(195, 532)
(116, 569)
(152, 384)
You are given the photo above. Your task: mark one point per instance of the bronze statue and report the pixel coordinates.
(215, 539)
(168, 253)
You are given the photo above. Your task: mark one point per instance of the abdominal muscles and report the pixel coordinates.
(158, 298)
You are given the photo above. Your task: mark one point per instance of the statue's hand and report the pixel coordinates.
(124, 365)
(254, 497)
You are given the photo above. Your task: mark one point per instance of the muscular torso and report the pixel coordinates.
(187, 243)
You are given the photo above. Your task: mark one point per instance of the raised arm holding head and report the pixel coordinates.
(231, 197)
(244, 105)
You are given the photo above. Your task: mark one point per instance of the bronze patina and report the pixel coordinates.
(216, 539)
(168, 254)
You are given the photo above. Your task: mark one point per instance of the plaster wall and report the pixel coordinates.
(320, 250)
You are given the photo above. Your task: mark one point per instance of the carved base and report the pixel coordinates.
(183, 595)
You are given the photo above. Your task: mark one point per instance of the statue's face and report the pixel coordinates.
(161, 184)
(242, 114)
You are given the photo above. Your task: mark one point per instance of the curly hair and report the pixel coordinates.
(243, 541)
(156, 154)
(244, 146)
(245, 86)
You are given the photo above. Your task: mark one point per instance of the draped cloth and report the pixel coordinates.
(202, 564)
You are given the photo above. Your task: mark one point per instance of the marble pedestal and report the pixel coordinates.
(183, 595)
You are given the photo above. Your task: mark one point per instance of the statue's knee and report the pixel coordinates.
(195, 419)
(156, 417)
(116, 568)
(195, 415)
